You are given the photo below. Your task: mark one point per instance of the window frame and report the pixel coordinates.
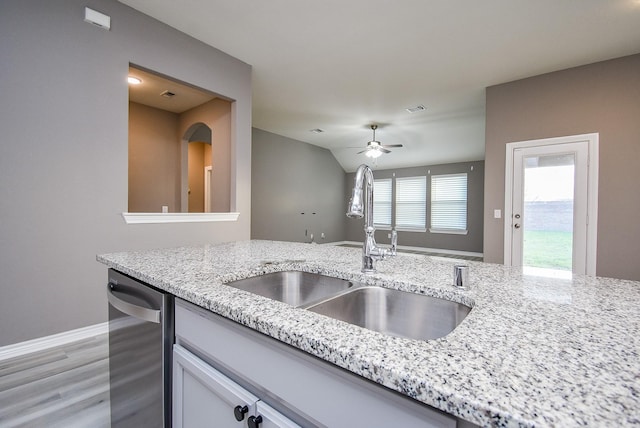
(398, 204)
(452, 230)
(376, 185)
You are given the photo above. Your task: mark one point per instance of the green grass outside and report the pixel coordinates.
(550, 250)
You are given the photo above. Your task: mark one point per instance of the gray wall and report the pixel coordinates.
(603, 97)
(63, 155)
(154, 159)
(471, 242)
(289, 178)
(217, 115)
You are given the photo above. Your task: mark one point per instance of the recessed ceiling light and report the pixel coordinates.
(416, 109)
(316, 131)
(133, 80)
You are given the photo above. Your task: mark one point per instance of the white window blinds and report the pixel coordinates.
(411, 203)
(449, 203)
(382, 202)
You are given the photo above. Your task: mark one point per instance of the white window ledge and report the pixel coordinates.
(147, 218)
(382, 226)
(450, 231)
(409, 229)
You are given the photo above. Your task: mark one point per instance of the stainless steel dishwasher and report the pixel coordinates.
(141, 334)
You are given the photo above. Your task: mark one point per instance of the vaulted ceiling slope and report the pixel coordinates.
(341, 65)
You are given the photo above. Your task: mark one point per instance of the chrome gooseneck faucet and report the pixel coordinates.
(363, 192)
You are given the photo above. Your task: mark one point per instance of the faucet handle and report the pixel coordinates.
(394, 242)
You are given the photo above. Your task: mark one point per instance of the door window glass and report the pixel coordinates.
(548, 211)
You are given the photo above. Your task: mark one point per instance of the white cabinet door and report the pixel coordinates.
(204, 397)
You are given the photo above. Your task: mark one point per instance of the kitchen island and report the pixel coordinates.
(533, 351)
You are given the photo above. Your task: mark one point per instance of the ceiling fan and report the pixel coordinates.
(374, 149)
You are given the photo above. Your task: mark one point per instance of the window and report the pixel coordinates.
(449, 203)
(382, 202)
(411, 203)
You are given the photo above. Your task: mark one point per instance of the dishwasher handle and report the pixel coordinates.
(130, 309)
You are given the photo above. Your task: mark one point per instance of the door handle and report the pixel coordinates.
(517, 225)
(130, 309)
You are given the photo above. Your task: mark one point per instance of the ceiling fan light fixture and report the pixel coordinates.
(374, 153)
(374, 148)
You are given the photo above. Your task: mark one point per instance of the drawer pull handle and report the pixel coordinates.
(254, 422)
(239, 412)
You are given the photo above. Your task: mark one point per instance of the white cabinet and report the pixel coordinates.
(309, 391)
(268, 417)
(204, 397)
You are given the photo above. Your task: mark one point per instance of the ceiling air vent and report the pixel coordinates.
(316, 131)
(167, 94)
(416, 109)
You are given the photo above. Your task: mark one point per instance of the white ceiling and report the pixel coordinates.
(341, 65)
(152, 87)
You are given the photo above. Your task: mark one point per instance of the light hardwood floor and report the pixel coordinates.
(64, 386)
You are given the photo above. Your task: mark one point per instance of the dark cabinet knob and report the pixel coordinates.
(239, 412)
(254, 421)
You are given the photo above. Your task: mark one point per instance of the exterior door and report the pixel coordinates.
(549, 218)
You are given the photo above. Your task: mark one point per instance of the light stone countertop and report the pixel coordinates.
(533, 351)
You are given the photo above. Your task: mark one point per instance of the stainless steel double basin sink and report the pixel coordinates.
(393, 312)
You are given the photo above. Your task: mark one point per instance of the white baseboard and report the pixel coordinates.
(423, 249)
(43, 343)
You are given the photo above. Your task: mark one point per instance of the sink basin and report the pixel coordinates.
(394, 312)
(293, 287)
(388, 311)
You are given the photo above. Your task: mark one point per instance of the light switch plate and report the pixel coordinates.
(497, 213)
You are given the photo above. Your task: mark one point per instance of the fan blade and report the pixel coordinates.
(365, 150)
(387, 146)
(384, 150)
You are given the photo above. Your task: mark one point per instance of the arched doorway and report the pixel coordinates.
(199, 159)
